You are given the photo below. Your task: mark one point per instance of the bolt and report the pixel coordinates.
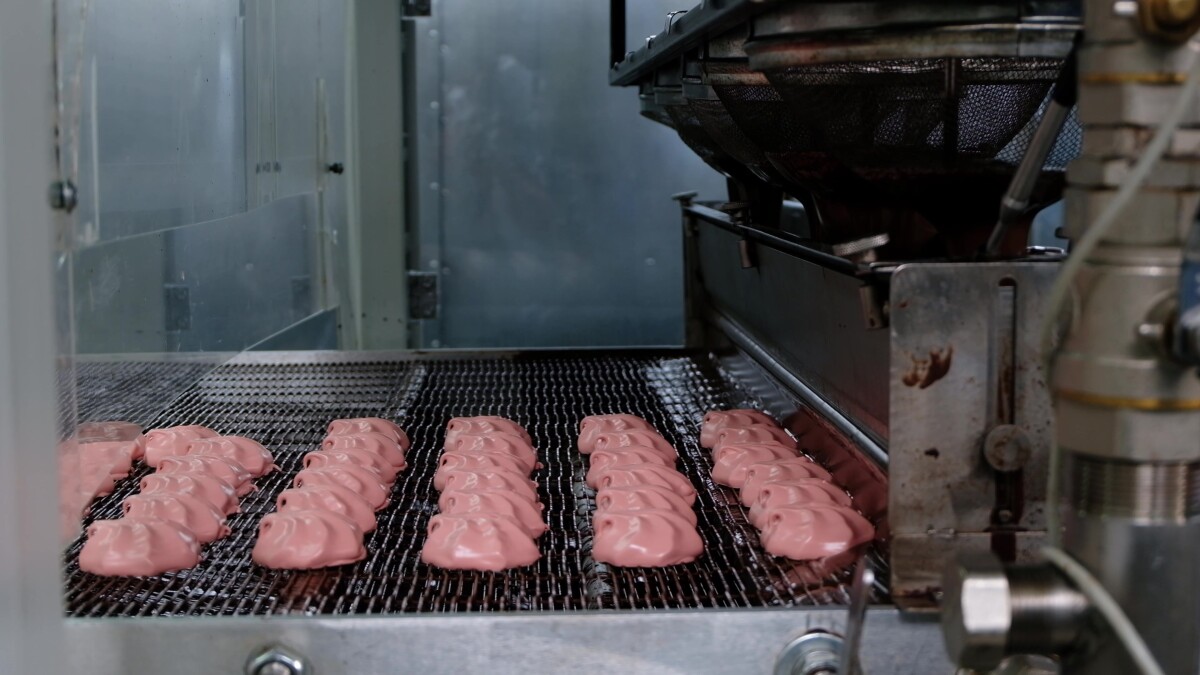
(976, 612)
(63, 196)
(1007, 448)
(277, 660)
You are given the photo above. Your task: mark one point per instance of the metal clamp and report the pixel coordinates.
(1186, 339)
(277, 660)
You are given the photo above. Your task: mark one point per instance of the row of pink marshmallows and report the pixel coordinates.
(489, 513)
(799, 512)
(321, 521)
(644, 515)
(199, 476)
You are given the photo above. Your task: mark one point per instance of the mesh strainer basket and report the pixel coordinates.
(924, 116)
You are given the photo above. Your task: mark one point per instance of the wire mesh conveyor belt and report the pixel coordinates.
(286, 406)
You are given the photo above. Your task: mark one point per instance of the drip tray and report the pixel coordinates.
(286, 405)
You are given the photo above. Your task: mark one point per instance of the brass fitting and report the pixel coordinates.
(1169, 20)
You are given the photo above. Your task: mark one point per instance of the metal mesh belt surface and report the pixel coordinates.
(287, 408)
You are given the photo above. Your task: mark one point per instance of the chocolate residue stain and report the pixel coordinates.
(925, 372)
(933, 452)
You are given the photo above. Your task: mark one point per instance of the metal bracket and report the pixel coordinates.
(414, 8)
(177, 300)
(422, 295)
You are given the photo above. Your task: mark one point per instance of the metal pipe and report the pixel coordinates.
(777, 241)
(1016, 199)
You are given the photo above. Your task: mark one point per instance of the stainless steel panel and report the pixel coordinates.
(159, 114)
(805, 317)
(716, 641)
(965, 359)
(556, 226)
(232, 283)
(31, 633)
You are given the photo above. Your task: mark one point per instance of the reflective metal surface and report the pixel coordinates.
(161, 121)
(217, 286)
(187, 127)
(805, 317)
(550, 208)
(716, 641)
(964, 363)
(31, 632)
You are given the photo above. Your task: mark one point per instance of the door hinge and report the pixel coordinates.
(422, 295)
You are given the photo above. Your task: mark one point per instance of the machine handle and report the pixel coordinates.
(860, 598)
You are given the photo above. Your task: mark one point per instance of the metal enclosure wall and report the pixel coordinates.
(543, 199)
(195, 133)
(31, 632)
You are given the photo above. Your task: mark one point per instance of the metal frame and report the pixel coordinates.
(734, 641)
(30, 610)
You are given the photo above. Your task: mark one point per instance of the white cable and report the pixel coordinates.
(1082, 249)
(1108, 608)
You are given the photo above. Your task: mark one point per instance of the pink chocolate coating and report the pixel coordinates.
(483, 542)
(779, 469)
(249, 453)
(642, 498)
(96, 432)
(813, 532)
(116, 454)
(363, 482)
(484, 424)
(509, 444)
(758, 433)
(642, 439)
(635, 475)
(492, 479)
(305, 540)
(502, 502)
(227, 470)
(600, 460)
(717, 420)
(329, 498)
(95, 480)
(156, 444)
(198, 516)
(196, 484)
(795, 492)
(595, 425)
(377, 444)
(731, 461)
(648, 538)
(358, 425)
(138, 547)
(364, 458)
(454, 461)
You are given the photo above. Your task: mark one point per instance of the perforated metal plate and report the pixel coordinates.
(287, 406)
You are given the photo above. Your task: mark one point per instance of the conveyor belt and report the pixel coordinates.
(287, 406)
